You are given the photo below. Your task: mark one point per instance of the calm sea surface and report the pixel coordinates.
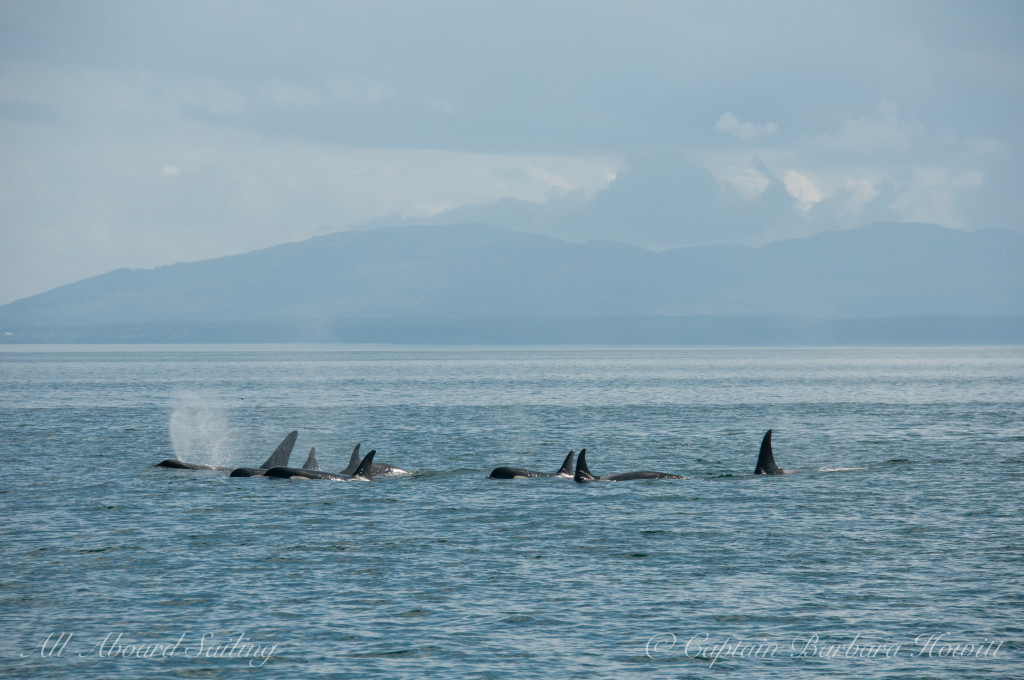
(895, 550)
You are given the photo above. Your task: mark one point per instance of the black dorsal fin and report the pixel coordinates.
(582, 471)
(766, 459)
(311, 463)
(279, 458)
(353, 462)
(566, 468)
(365, 469)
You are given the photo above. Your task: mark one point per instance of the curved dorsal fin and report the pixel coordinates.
(311, 463)
(365, 469)
(566, 468)
(582, 471)
(279, 458)
(766, 458)
(353, 462)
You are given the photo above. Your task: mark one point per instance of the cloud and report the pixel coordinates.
(858, 191)
(802, 189)
(749, 182)
(99, 171)
(732, 125)
(886, 134)
(867, 165)
(741, 172)
(930, 194)
(198, 192)
(135, 134)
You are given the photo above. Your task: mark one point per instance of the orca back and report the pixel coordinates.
(513, 473)
(176, 464)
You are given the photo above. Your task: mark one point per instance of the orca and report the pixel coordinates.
(278, 457)
(379, 469)
(310, 464)
(766, 458)
(175, 464)
(583, 473)
(363, 473)
(519, 473)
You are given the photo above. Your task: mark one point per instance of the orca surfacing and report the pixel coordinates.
(519, 473)
(379, 469)
(363, 473)
(583, 473)
(262, 471)
(278, 457)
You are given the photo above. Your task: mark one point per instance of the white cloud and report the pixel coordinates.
(113, 204)
(929, 194)
(851, 167)
(884, 135)
(802, 189)
(749, 182)
(859, 192)
(738, 172)
(566, 175)
(732, 125)
(105, 127)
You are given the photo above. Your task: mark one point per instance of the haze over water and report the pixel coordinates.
(893, 551)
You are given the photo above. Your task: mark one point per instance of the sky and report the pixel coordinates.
(139, 134)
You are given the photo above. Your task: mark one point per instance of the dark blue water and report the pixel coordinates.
(895, 550)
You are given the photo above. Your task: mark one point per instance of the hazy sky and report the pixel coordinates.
(135, 134)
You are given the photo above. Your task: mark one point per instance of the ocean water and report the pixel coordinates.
(894, 550)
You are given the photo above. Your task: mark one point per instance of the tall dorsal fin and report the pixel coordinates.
(365, 469)
(582, 471)
(566, 468)
(311, 463)
(279, 458)
(353, 462)
(766, 459)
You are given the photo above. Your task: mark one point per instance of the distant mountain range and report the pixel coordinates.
(476, 283)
